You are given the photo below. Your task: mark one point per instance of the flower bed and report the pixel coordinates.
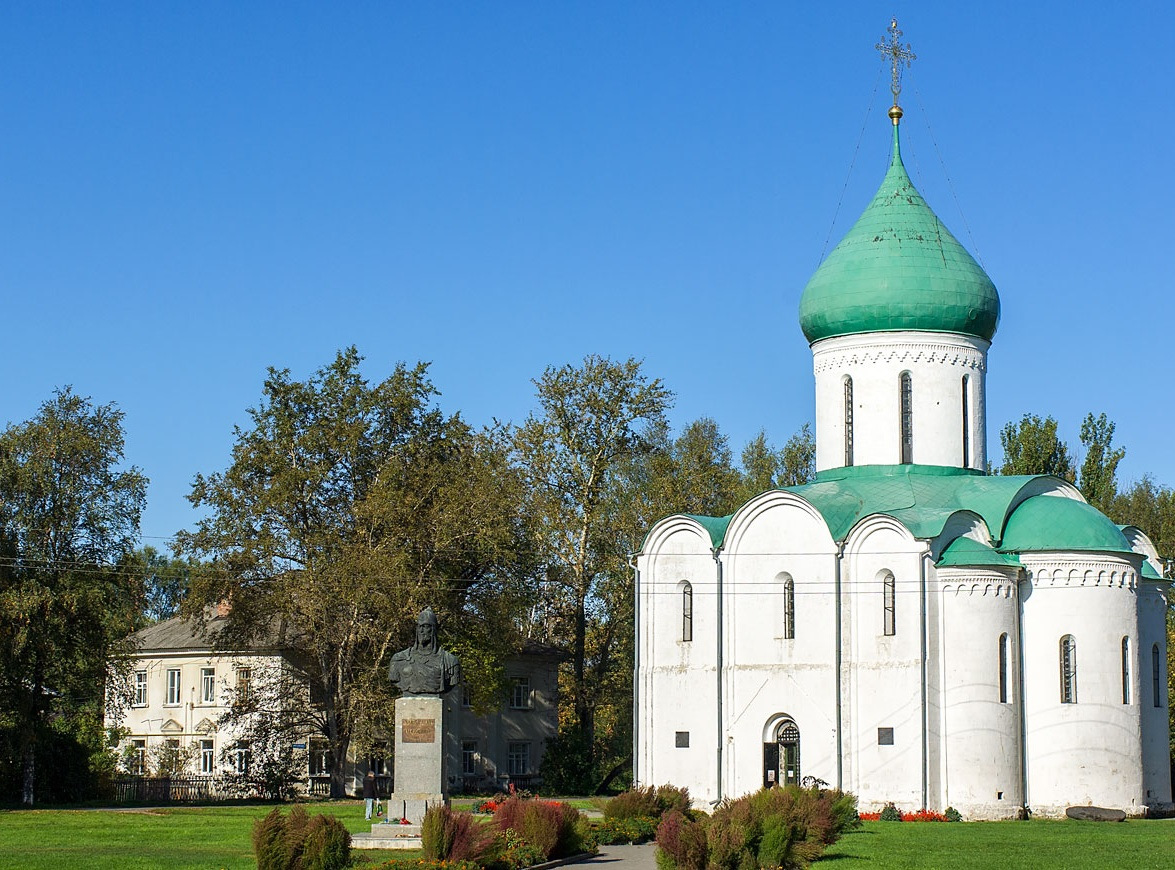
(919, 816)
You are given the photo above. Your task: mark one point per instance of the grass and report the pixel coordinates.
(1039, 845)
(180, 838)
(215, 837)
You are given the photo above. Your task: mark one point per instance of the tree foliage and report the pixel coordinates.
(592, 422)
(1099, 469)
(1033, 447)
(348, 506)
(69, 514)
(766, 468)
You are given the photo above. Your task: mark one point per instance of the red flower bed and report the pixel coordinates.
(920, 816)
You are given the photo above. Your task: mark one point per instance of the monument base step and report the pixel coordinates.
(388, 837)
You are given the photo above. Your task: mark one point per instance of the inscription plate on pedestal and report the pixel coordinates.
(419, 731)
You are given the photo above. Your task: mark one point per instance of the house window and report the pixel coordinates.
(885, 736)
(518, 759)
(208, 685)
(520, 697)
(966, 423)
(1125, 670)
(1004, 668)
(906, 390)
(687, 612)
(139, 756)
(1068, 670)
(848, 421)
(173, 685)
(681, 739)
(466, 697)
(319, 757)
(207, 757)
(889, 604)
(140, 688)
(469, 758)
(241, 757)
(789, 608)
(244, 679)
(1157, 675)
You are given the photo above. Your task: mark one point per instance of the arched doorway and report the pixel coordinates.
(781, 756)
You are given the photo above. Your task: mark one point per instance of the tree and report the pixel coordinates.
(164, 582)
(592, 421)
(765, 468)
(347, 508)
(1032, 447)
(68, 516)
(1099, 469)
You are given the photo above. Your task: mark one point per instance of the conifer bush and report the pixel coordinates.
(298, 842)
(774, 828)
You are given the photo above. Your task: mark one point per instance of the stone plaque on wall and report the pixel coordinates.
(419, 731)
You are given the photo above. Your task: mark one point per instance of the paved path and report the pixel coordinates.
(623, 858)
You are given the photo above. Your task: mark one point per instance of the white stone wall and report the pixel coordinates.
(882, 674)
(978, 771)
(1156, 747)
(1088, 752)
(937, 363)
(676, 681)
(769, 677)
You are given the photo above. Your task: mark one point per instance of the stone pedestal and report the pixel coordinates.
(420, 777)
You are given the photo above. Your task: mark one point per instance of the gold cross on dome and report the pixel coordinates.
(891, 49)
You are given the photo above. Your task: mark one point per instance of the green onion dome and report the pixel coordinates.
(899, 268)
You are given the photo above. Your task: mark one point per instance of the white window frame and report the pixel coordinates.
(242, 756)
(139, 765)
(140, 688)
(518, 758)
(208, 685)
(889, 604)
(469, 758)
(207, 757)
(521, 695)
(173, 687)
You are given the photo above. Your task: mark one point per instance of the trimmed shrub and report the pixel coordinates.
(511, 852)
(298, 842)
(556, 829)
(774, 828)
(423, 864)
(453, 836)
(952, 815)
(327, 844)
(670, 797)
(890, 813)
(636, 803)
(269, 842)
(682, 842)
(611, 832)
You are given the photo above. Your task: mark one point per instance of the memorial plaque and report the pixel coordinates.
(419, 731)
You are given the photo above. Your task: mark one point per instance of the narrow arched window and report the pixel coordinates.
(1068, 670)
(1125, 670)
(687, 612)
(789, 608)
(966, 423)
(906, 393)
(1004, 668)
(848, 421)
(1157, 675)
(889, 604)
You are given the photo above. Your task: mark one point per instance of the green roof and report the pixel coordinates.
(967, 551)
(899, 268)
(1019, 511)
(1048, 523)
(716, 526)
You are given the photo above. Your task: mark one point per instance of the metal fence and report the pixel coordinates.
(172, 789)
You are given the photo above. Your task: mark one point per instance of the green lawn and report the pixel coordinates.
(218, 837)
(1040, 845)
(179, 838)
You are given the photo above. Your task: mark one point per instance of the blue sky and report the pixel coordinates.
(190, 193)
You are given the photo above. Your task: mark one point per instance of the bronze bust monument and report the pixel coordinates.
(425, 668)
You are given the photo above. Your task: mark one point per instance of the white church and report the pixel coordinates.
(906, 627)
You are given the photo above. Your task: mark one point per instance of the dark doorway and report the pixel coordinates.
(781, 758)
